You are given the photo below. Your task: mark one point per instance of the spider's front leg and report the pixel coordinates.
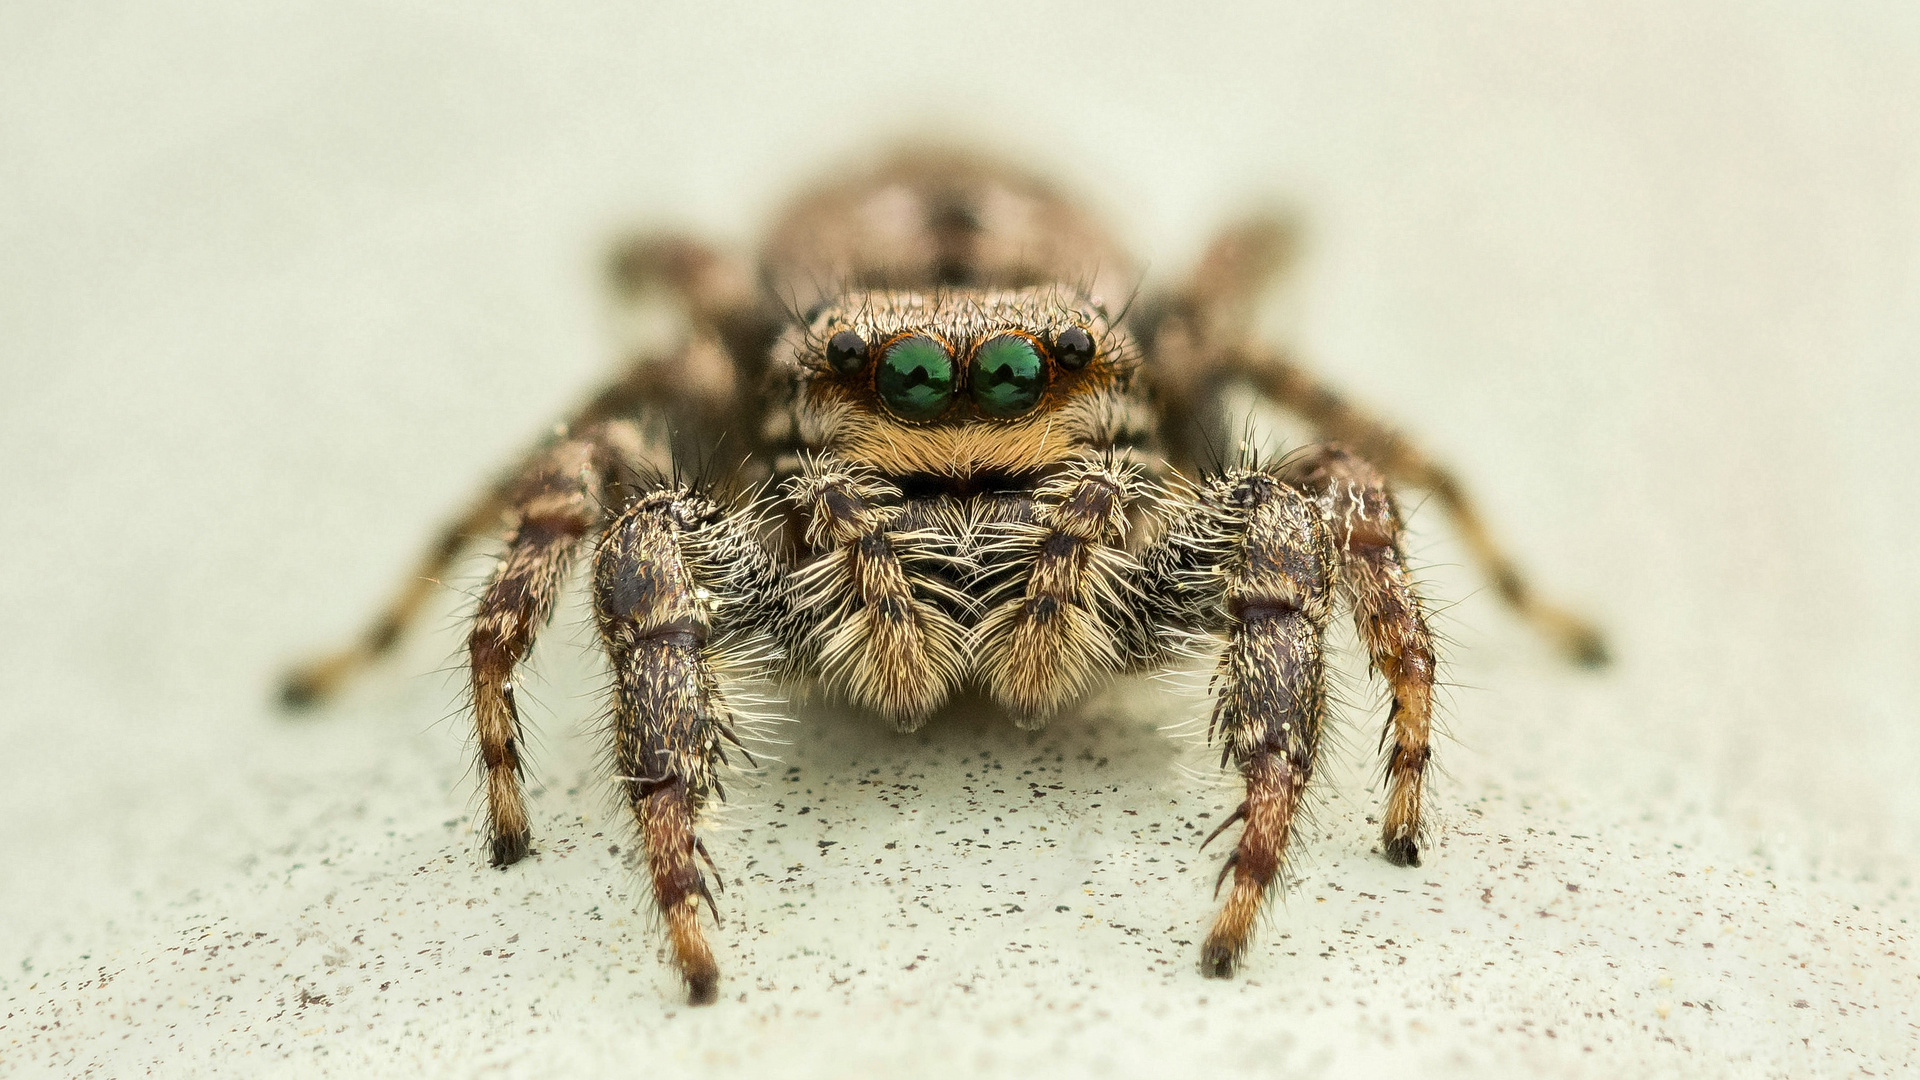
(1256, 556)
(1250, 557)
(679, 584)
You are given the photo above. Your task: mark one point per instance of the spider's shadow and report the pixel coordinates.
(972, 722)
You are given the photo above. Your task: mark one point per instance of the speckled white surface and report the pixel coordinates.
(280, 285)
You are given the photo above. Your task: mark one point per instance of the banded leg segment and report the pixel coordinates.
(322, 677)
(695, 386)
(1057, 634)
(645, 382)
(1251, 558)
(1387, 612)
(671, 568)
(554, 507)
(1338, 420)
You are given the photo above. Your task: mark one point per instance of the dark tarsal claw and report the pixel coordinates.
(700, 846)
(1233, 860)
(299, 692)
(707, 894)
(1589, 650)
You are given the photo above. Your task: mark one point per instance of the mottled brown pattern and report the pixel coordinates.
(669, 717)
(763, 510)
(1365, 524)
(551, 511)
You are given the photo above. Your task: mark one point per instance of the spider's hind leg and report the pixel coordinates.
(1401, 460)
(1200, 335)
(676, 583)
(697, 384)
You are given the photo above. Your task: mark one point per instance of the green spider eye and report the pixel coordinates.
(1008, 376)
(915, 378)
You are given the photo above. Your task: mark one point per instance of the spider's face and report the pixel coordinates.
(957, 382)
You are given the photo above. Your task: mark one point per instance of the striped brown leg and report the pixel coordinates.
(320, 678)
(1338, 420)
(1198, 337)
(1251, 558)
(556, 505)
(695, 385)
(1365, 523)
(670, 564)
(313, 682)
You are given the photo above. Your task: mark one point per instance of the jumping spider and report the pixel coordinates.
(974, 470)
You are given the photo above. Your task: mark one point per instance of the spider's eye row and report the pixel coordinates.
(1008, 376)
(846, 352)
(1073, 347)
(915, 378)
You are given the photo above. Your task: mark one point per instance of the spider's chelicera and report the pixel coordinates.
(975, 472)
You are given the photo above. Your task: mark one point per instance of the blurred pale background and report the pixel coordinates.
(279, 284)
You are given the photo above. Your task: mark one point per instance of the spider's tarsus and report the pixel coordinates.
(299, 692)
(703, 986)
(1402, 851)
(312, 683)
(1216, 960)
(510, 848)
(1588, 649)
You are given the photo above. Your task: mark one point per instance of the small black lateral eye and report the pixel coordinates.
(846, 352)
(1072, 348)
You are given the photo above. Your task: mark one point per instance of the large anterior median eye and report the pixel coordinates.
(1008, 376)
(915, 378)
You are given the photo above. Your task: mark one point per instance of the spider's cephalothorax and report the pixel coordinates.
(975, 473)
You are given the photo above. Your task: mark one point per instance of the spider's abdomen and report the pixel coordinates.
(930, 221)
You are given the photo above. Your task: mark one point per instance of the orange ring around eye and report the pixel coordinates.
(1008, 375)
(914, 377)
